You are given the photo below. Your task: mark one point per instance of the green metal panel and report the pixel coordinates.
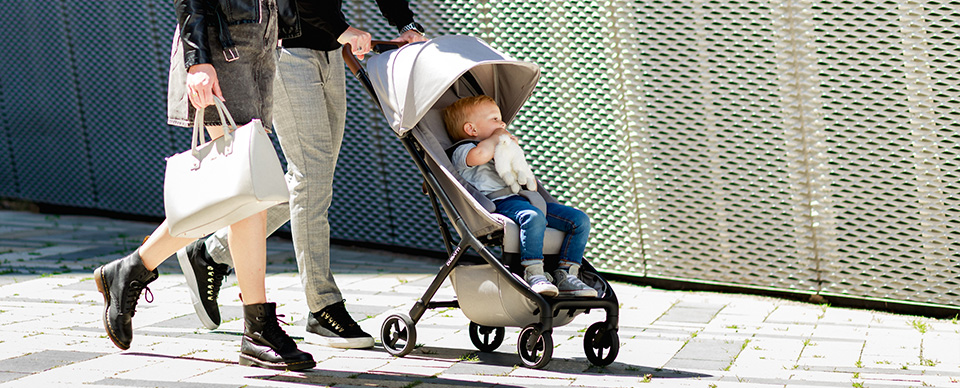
(792, 145)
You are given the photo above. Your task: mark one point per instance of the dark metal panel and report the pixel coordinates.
(43, 118)
(9, 186)
(122, 51)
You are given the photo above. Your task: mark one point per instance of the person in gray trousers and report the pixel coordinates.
(309, 118)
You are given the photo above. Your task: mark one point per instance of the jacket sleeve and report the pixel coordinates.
(323, 14)
(193, 17)
(397, 12)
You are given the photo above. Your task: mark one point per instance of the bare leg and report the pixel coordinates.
(160, 246)
(248, 246)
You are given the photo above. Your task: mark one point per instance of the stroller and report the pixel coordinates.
(412, 84)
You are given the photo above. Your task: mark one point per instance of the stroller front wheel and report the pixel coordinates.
(599, 340)
(535, 352)
(481, 337)
(399, 334)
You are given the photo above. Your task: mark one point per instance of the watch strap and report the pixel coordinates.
(412, 26)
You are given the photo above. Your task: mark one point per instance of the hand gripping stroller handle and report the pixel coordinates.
(378, 47)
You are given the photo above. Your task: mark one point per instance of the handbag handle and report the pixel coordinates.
(225, 118)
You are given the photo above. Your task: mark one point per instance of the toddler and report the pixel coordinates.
(478, 118)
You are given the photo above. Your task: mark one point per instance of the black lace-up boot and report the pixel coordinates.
(204, 277)
(266, 345)
(121, 282)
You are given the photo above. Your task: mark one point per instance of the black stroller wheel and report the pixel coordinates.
(534, 352)
(599, 340)
(399, 335)
(481, 337)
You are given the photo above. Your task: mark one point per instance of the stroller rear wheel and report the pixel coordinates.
(599, 340)
(535, 352)
(481, 337)
(399, 334)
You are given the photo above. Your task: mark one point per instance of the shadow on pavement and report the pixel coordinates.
(490, 364)
(499, 362)
(322, 377)
(167, 356)
(374, 379)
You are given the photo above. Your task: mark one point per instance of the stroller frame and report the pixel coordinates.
(535, 343)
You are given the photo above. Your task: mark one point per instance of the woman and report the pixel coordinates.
(223, 48)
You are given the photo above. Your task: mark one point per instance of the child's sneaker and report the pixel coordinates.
(534, 276)
(570, 285)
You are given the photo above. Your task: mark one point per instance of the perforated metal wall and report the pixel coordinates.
(83, 103)
(888, 85)
(792, 144)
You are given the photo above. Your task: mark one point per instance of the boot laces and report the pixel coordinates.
(133, 294)
(275, 334)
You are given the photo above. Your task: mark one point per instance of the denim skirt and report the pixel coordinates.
(246, 82)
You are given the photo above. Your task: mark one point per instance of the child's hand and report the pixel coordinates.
(503, 131)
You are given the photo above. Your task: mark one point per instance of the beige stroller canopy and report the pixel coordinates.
(409, 81)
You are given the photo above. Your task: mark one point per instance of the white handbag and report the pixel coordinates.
(223, 181)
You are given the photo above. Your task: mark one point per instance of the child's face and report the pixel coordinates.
(484, 121)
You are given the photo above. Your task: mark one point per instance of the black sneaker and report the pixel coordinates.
(204, 277)
(337, 329)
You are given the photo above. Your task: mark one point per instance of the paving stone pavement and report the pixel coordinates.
(51, 332)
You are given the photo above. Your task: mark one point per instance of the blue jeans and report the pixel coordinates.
(533, 224)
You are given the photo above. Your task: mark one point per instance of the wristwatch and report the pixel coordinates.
(412, 26)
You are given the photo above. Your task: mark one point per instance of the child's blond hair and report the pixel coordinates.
(457, 114)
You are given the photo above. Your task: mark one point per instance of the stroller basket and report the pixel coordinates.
(480, 287)
(411, 84)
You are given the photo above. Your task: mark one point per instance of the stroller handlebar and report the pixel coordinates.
(378, 46)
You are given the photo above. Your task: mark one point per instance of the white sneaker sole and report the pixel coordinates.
(339, 343)
(548, 291)
(194, 292)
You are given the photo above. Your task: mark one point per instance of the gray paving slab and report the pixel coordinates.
(10, 376)
(51, 332)
(687, 312)
(44, 360)
(113, 382)
(721, 351)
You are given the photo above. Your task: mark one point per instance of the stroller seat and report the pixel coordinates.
(552, 238)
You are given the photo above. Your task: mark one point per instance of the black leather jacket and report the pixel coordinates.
(194, 16)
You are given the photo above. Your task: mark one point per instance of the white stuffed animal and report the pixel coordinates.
(512, 166)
